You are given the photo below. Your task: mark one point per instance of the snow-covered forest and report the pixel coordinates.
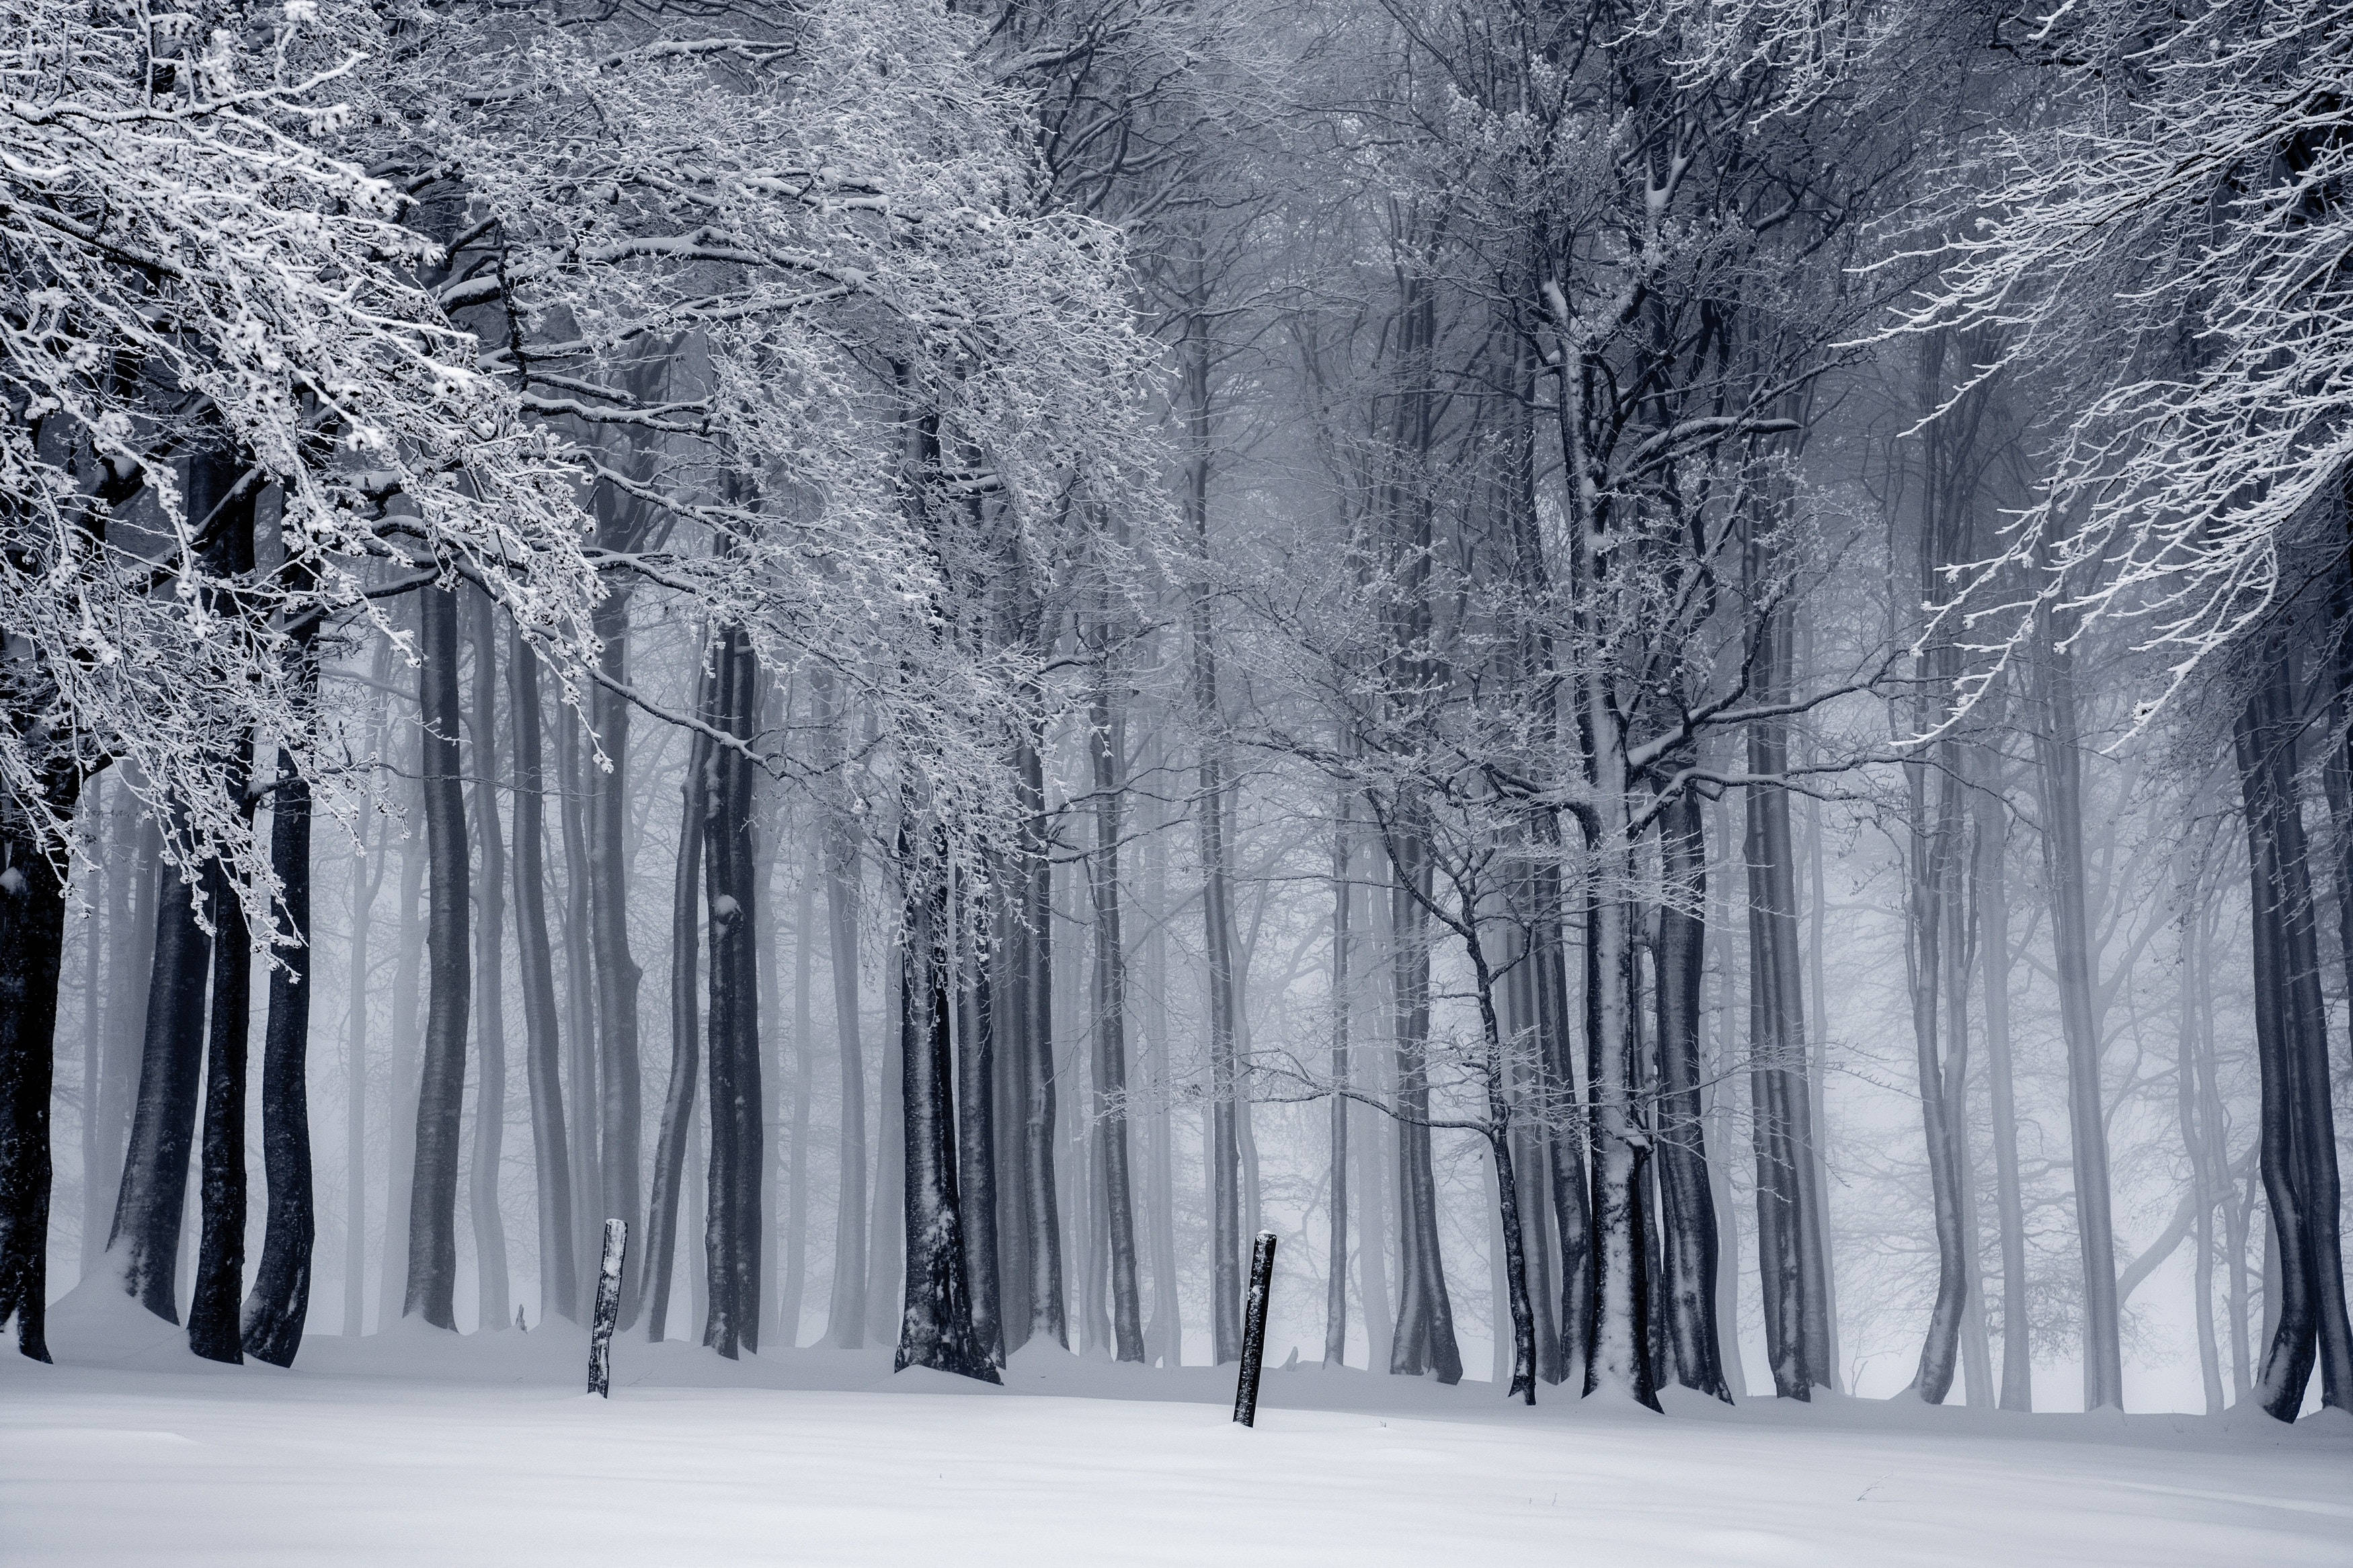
(1670, 682)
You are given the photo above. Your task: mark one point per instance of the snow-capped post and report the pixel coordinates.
(1262, 1279)
(609, 1306)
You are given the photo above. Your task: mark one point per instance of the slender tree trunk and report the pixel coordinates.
(1335, 1267)
(366, 879)
(407, 986)
(616, 969)
(279, 1301)
(586, 1126)
(559, 1267)
(146, 1238)
(738, 1153)
(1044, 1219)
(1686, 1198)
(796, 1270)
(2059, 749)
(672, 1141)
(976, 1116)
(1106, 745)
(490, 981)
(1993, 928)
(32, 955)
(1425, 1341)
(442, 1082)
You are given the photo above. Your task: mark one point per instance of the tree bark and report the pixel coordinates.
(935, 1325)
(2297, 1133)
(559, 1266)
(490, 981)
(146, 1238)
(1335, 1264)
(738, 1149)
(2059, 749)
(846, 1317)
(672, 1141)
(441, 1079)
(1993, 932)
(32, 955)
(279, 1301)
(1687, 1201)
(1106, 745)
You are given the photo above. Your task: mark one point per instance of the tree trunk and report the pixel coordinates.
(845, 1315)
(146, 1238)
(616, 970)
(1993, 932)
(672, 1142)
(586, 1126)
(279, 1301)
(32, 954)
(1424, 1340)
(2296, 1134)
(490, 981)
(441, 1080)
(976, 1118)
(559, 1266)
(1688, 1202)
(1106, 743)
(2059, 748)
(366, 879)
(401, 1091)
(795, 1270)
(1335, 1264)
(1043, 1219)
(935, 1326)
(738, 1150)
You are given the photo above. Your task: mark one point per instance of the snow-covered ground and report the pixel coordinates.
(417, 1448)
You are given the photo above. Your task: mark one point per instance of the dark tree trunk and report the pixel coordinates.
(1107, 743)
(977, 1121)
(1792, 1255)
(441, 1079)
(1042, 1210)
(213, 1328)
(936, 1324)
(673, 1138)
(279, 1301)
(145, 1241)
(1335, 1264)
(32, 953)
(490, 981)
(559, 1267)
(1689, 1242)
(616, 970)
(795, 1270)
(2296, 1134)
(1424, 1340)
(586, 1127)
(732, 1242)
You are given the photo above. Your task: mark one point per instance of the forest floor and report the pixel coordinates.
(419, 1446)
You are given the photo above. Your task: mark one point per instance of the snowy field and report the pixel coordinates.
(424, 1448)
